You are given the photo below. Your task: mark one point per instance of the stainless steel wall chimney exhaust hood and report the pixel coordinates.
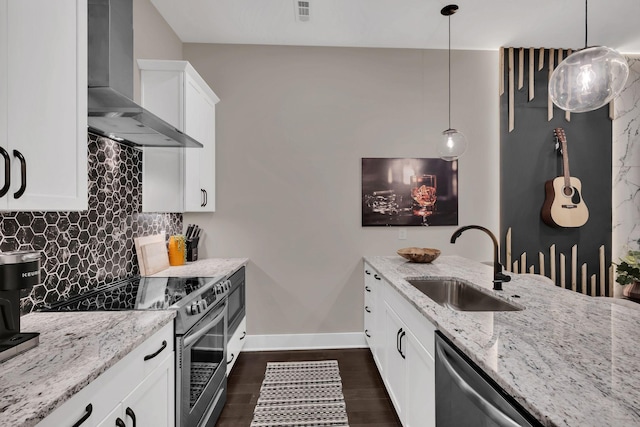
(112, 113)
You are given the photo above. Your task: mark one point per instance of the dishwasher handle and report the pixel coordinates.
(496, 415)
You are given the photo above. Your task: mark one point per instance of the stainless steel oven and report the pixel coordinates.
(201, 375)
(237, 299)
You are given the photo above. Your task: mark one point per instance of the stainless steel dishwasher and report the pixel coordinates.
(466, 397)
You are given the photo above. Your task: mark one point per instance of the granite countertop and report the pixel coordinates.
(75, 348)
(205, 268)
(569, 359)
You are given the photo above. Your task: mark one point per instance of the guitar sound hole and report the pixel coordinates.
(568, 191)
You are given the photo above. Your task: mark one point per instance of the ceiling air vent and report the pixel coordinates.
(303, 10)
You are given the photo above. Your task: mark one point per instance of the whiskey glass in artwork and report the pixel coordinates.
(423, 193)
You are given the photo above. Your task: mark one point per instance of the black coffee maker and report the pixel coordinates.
(18, 270)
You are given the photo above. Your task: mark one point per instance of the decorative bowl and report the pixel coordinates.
(422, 255)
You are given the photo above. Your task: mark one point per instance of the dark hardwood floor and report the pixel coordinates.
(366, 398)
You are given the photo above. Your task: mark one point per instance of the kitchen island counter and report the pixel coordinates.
(567, 358)
(75, 348)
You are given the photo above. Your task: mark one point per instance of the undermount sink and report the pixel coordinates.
(460, 296)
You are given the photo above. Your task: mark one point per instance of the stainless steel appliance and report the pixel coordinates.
(200, 334)
(112, 113)
(466, 396)
(237, 300)
(18, 270)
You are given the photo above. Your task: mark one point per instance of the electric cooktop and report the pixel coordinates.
(139, 293)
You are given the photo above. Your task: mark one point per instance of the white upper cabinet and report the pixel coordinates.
(179, 179)
(43, 105)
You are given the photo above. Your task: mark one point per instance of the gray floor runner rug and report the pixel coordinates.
(305, 394)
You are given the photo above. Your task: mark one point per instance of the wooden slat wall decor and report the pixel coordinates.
(511, 89)
(549, 102)
(558, 256)
(501, 79)
(520, 68)
(588, 285)
(531, 73)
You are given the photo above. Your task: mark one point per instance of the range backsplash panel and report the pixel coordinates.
(82, 250)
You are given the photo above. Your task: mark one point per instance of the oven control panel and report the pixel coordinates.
(203, 301)
(223, 287)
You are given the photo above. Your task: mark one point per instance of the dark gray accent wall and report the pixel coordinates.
(82, 250)
(528, 159)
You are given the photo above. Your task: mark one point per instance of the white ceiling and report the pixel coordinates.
(478, 24)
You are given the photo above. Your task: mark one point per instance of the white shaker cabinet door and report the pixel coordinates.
(200, 123)
(44, 111)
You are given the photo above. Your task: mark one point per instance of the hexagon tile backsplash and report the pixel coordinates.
(85, 249)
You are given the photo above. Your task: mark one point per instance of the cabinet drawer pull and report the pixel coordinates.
(23, 174)
(366, 308)
(367, 272)
(244, 334)
(85, 417)
(398, 340)
(120, 423)
(368, 289)
(377, 277)
(206, 197)
(201, 198)
(131, 415)
(402, 335)
(366, 332)
(232, 357)
(152, 355)
(7, 172)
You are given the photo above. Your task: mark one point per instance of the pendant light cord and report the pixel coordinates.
(586, 23)
(449, 71)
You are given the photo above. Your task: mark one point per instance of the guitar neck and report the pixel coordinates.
(565, 163)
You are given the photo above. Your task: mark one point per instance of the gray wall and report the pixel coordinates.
(153, 38)
(292, 126)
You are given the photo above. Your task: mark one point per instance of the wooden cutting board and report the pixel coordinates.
(139, 242)
(155, 257)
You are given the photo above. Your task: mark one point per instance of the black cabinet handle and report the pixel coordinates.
(398, 340)
(244, 334)
(120, 423)
(88, 410)
(367, 272)
(7, 172)
(366, 308)
(368, 289)
(377, 277)
(23, 174)
(201, 198)
(400, 347)
(206, 197)
(232, 357)
(152, 355)
(366, 333)
(131, 415)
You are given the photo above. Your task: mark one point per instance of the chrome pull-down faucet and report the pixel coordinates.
(498, 276)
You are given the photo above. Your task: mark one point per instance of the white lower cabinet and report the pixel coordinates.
(235, 344)
(404, 352)
(146, 404)
(374, 316)
(137, 391)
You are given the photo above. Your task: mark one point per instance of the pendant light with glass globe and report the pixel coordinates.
(453, 143)
(589, 78)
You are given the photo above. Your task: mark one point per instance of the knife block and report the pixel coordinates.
(192, 249)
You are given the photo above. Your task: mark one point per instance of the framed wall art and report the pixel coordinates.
(409, 192)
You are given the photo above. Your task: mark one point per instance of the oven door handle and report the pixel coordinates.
(190, 339)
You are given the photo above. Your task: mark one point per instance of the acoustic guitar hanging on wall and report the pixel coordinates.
(563, 205)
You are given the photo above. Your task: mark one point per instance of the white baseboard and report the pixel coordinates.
(305, 341)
